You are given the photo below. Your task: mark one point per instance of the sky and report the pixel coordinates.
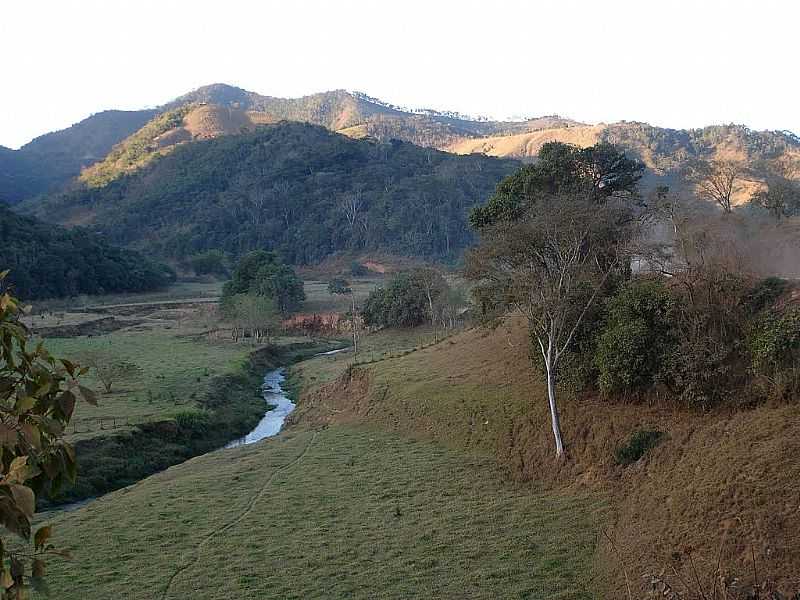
(671, 63)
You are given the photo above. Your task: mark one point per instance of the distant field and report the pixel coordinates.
(175, 370)
(319, 300)
(343, 513)
(372, 347)
(177, 291)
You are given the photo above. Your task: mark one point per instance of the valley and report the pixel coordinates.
(323, 346)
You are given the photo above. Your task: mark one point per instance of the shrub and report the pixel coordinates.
(405, 301)
(637, 336)
(774, 345)
(765, 293)
(637, 445)
(358, 270)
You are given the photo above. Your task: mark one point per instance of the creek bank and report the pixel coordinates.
(228, 410)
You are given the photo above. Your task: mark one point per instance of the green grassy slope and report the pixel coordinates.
(341, 513)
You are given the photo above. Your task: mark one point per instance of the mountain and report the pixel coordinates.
(46, 261)
(110, 144)
(51, 160)
(296, 188)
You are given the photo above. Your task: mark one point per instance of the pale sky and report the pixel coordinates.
(672, 63)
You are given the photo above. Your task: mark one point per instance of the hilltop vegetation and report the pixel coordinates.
(50, 161)
(47, 261)
(297, 189)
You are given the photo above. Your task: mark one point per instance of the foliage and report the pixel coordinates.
(764, 293)
(50, 161)
(596, 173)
(405, 301)
(293, 188)
(637, 337)
(261, 273)
(637, 445)
(47, 261)
(339, 286)
(210, 262)
(774, 345)
(780, 199)
(253, 315)
(135, 151)
(37, 399)
(358, 270)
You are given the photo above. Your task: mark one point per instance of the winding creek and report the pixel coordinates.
(279, 407)
(272, 421)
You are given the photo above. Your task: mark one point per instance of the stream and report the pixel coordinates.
(272, 421)
(275, 397)
(270, 424)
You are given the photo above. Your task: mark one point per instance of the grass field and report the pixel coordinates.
(341, 513)
(319, 300)
(372, 347)
(175, 370)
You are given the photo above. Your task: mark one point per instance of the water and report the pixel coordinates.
(273, 419)
(330, 352)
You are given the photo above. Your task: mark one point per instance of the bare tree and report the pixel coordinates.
(109, 368)
(550, 268)
(717, 180)
(351, 204)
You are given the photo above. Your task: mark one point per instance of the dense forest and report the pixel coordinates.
(294, 188)
(47, 261)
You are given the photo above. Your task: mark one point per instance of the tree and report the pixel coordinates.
(781, 198)
(37, 397)
(261, 273)
(255, 314)
(108, 368)
(717, 180)
(409, 299)
(596, 173)
(342, 286)
(339, 286)
(550, 266)
(212, 262)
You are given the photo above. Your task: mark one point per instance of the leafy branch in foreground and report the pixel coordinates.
(37, 398)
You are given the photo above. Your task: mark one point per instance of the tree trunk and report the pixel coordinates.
(551, 397)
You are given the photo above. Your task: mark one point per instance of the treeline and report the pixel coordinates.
(614, 305)
(46, 261)
(297, 189)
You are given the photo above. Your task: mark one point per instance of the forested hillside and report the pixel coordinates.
(47, 261)
(295, 188)
(52, 160)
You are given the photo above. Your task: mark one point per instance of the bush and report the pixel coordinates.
(765, 293)
(637, 337)
(637, 445)
(358, 270)
(774, 345)
(263, 274)
(404, 302)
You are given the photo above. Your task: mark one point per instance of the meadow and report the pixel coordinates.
(345, 512)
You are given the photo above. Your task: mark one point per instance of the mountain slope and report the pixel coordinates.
(293, 187)
(46, 261)
(51, 160)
